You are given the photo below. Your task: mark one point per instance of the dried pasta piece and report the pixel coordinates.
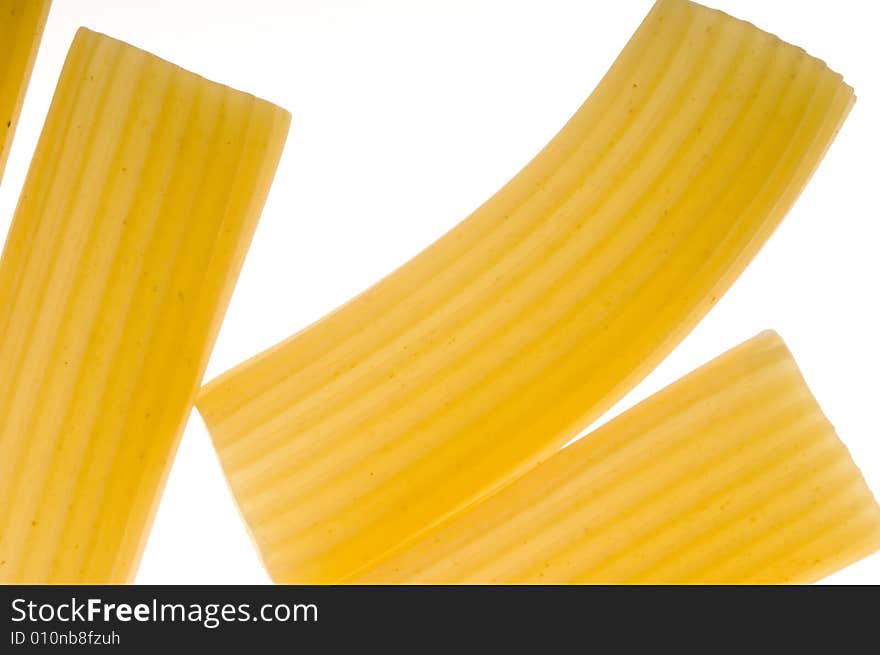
(134, 220)
(21, 28)
(730, 475)
(495, 346)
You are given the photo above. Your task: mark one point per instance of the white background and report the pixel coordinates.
(406, 116)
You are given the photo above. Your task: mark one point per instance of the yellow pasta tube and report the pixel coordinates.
(21, 28)
(496, 345)
(730, 475)
(134, 220)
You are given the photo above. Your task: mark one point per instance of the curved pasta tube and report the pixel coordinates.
(499, 343)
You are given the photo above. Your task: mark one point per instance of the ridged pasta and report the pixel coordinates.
(495, 346)
(730, 475)
(21, 28)
(134, 220)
